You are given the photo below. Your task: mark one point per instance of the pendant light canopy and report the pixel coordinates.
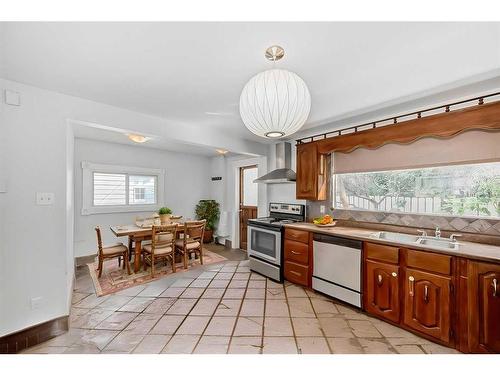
(276, 102)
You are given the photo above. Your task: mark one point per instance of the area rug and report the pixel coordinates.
(114, 278)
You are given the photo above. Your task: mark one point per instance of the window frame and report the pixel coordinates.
(88, 170)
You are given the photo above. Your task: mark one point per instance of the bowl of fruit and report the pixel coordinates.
(324, 221)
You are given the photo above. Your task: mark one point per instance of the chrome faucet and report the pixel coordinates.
(423, 232)
(438, 232)
(453, 237)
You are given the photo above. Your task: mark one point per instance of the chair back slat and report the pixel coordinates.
(163, 235)
(194, 230)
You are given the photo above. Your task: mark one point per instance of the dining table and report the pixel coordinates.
(137, 234)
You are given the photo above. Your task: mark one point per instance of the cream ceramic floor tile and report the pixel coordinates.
(152, 290)
(182, 283)
(192, 293)
(312, 345)
(77, 297)
(220, 326)
(256, 276)
(238, 284)
(91, 301)
(207, 275)
(255, 294)
(324, 308)
(114, 302)
(131, 292)
(223, 276)
(44, 349)
(212, 345)
(152, 344)
(275, 294)
(249, 326)
(219, 284)
(98, 338)
(295, 291)
(234, 294)
(193, 325)
(143, 323)
(277, 327)
(160, 306)
(363, 328)
(388, 330)
(409, 349)
(167, 325)
(213, 293)
(117, 321)
(242, 269)
(205, 307)
(137, 304)
(335, 327)
(245, 345)
(91, 319)
(257, 284)
(351, 312)
(200, 283)
(173, 292)
(181, 344)
(228, 307)
(277, 308)
(301, 308)
(279, 345)
(230, 269)
(432, 348)
(306, 327)
(240, 276)
(376, 346)
(124, 342)
(252, 307)
(342, 345)
(181, 307)
(273, 284)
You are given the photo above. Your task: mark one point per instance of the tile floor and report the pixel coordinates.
(223, 308)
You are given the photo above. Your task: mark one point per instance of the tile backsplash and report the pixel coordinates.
(446, 223)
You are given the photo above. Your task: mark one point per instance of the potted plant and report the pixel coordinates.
(208, 209)
(165, 214)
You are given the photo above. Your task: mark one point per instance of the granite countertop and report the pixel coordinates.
(472, 250)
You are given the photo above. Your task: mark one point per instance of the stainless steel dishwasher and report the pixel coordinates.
(337, 268)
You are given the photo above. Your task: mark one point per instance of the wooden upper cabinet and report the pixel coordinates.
(484, 307)
(311, 173)
(428, 304)
(382, 290)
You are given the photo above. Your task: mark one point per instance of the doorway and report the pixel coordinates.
(248, 200)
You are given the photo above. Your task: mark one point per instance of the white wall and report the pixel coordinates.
(35, 258)
(187, 180)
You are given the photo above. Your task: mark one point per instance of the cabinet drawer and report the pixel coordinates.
(296, 273)
(297, 235)
(429, 261)
(297, 251)
(383, 253)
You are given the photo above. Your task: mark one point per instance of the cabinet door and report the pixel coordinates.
(307, 162)
(427, 303)
(484, 316)
(382, 290)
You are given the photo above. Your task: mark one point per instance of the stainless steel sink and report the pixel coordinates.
(431, 242)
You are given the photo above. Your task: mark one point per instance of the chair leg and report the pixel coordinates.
(120, 261)
(128, 263)
(100, 268)
(173, 262)
(185, 259)
(144, 262)
(130, 243)
(152, 266)
(201, 256)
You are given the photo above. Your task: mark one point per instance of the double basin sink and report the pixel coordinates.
(430, 242)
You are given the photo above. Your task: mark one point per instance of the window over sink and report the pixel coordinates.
(112, 188)
(455, 190)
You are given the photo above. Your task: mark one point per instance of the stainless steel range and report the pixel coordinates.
(265, 238)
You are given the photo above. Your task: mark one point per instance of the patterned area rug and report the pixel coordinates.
(114, 278)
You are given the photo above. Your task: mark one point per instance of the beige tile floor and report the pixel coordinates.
(223, 308)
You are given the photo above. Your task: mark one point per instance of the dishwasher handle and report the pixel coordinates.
(346, 242)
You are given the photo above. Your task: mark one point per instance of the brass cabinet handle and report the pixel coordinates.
(296, 273)
(379, 279)
(494, 287)
(295, 253)
(426, 293)
(394, 274)
(411, 279)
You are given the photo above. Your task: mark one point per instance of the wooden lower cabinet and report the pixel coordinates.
(296, 273)
(428, 303)
(382, 290)
(298, 257)
(484, 307)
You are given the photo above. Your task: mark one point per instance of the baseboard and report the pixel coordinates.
(20, 340)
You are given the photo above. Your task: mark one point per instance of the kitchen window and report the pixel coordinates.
(455, 190)
(111, 188)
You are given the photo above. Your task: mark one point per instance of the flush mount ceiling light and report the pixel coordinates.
(221, 151)
(275, 103)
(137, 138)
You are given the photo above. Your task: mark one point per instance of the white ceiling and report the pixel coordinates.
(194, 72)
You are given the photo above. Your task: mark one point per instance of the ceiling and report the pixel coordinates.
(194, 72)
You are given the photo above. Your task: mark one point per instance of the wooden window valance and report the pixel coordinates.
(444, 125)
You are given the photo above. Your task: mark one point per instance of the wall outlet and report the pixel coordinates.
(36, 303)
(44, 199)
(322, 209)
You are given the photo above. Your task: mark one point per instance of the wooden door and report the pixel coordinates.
(427, 303)
(382, 290)
(248, 201)
(484, 305)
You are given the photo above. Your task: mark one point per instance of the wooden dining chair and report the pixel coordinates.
(162, 246)
(117, 250)
(192, 241)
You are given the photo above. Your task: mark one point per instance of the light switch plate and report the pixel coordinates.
(44, 199)
(12, 98)
(322, 209)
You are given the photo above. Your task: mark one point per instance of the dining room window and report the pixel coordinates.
(108, 188)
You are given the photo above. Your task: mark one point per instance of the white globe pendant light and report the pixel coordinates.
(276, 102)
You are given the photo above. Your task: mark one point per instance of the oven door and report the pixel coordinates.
(264, 244)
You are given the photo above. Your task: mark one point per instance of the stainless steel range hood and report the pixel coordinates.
(283, 173)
